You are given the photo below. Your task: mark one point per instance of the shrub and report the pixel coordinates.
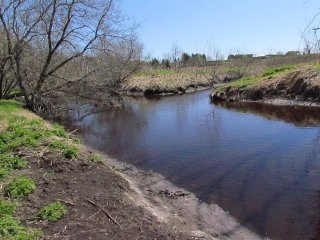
(53, 211)
(20, 186)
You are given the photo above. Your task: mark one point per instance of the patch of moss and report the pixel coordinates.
(53, 211)
(20, 186)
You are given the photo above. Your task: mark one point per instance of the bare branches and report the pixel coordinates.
(51, 45)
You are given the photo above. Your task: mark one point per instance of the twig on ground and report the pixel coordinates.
(67, 202)
(104, 210)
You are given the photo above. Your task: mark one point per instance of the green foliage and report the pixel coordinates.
(95, 158)
(58, 130)
(9, 106)
(154, 62)
(22, 133)
(9, 162)
(7, 208)
(53, 211)
(10, 227)
(69, 151)
(20, 186)
(273, 71)
(241, 83)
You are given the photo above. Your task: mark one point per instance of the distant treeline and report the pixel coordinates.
(200, 59)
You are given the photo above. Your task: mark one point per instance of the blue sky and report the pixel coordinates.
(251, 26)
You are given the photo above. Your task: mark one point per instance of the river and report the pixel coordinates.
(259, 162)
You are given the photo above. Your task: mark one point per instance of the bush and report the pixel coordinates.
(20, 186)
(53, 211)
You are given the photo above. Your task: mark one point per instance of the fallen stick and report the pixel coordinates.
(104, 210)
(67, 202)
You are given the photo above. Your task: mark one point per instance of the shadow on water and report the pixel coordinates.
(298, 115)
(259, 162)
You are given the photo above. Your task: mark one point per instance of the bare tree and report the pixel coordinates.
(46, 38)
(238, 66)
(116, 61)
(175, 56)
(214, 63)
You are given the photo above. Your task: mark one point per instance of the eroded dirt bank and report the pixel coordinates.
(299, 87)
(177, 207)
(144, 205)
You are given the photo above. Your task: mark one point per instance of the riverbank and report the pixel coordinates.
(167, 82)
(285, 85)
(52, 187)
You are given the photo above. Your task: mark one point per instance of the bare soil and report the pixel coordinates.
(142, 205)
(80, 183)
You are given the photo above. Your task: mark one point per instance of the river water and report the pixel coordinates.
(259, 162)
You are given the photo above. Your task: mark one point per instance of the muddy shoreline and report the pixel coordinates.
(175, 206)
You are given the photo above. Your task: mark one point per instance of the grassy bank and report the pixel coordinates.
(287, 82)
(52, 187)
(23, 136)
(268, 74)
(160, 81)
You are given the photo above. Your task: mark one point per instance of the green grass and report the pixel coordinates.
(9, 163)
(7, 208)
(11, 227)
(95, 158)
(252, 80)
(20, 130)
(20, 186)
(9, 106)
(68, 150)
(53, 211)
(241, 83)
(276, 70)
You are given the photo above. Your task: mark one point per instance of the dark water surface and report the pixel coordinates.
(259, 162)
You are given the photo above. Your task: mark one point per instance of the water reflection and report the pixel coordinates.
(259, 162)
(298, 115)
